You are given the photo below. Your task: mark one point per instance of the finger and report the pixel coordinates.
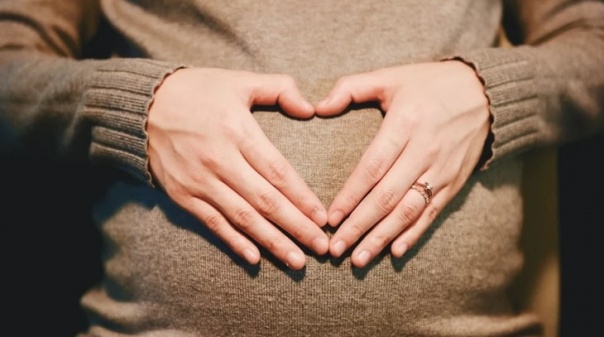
(220, 226)
(404, 214)
(272, 89)
(262, 155)
(350, 89)
(273, 205)
(383, 197)
(383, 201)
(244, 217)
(411, 235)
(374, 164)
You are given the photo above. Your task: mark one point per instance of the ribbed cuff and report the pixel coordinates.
(509, 81)
(117, 104)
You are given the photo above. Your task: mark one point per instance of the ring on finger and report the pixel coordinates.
(425, 189)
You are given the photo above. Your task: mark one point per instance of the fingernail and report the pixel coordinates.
(336, 218)
(320, 245)
(402, 248)
(295, 260)
(250, 256)
(319, 217)
(339, 248)
(364, 257)
(308, 106)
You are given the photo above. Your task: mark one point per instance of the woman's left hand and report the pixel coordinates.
(436, 123)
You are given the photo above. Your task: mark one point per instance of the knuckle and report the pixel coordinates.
(432, 151)
(177, 191)
(412, 240)
(433, 212)
(214, 222)
(411, 117)
(210, 160)
(273, 243)
(184, 195)
(236, 243)
(245, 140)
(267, 203)
(276, 173)
(357, 230)
(351, 199)
(244, 219)
(386, 200)
(233, 131)
(237, 131)
(407, 213)
(298, 232)
(380, 240)
(375, 169)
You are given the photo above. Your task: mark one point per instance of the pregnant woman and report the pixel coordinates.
(289, 168)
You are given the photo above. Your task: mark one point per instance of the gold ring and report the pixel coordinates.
(425, 189)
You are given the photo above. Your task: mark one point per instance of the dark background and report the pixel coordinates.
(581, 200)
(51, 251)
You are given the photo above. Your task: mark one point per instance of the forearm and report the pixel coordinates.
(54, 104)
(547, 89)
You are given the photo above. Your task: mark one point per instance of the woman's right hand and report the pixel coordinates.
(212, 158)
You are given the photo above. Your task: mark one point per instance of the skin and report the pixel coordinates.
(436, 123)
(211, 157)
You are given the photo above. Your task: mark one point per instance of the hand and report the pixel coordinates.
(212, 158)
(434, 130)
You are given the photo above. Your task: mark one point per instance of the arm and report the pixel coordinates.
(198, 147)
(54, 104)
(547, 90)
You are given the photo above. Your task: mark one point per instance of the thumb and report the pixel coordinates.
(350, 89)
(281, 89)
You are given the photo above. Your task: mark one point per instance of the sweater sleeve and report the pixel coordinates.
(548, 88)
(54, 103)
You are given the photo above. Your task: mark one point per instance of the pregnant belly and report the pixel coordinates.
(165, 272)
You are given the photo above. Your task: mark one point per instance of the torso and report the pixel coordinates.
(166, 272)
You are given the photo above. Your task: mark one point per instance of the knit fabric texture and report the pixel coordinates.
(167, 275)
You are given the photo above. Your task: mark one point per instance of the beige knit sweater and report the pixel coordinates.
(166, 275)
